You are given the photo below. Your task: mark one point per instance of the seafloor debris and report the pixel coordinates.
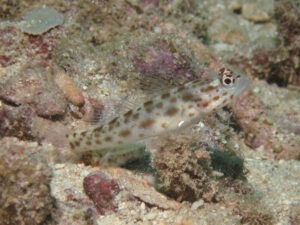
(35, 88)
(40, 20)
(183, 171)
(102, 191)
(268, 121)
(16, 121)
(24, 184)
(141, 189)
(71, 92)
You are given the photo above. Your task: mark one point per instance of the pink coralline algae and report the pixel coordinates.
(166, 62)
(102, 190)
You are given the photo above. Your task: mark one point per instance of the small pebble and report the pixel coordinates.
(197, 204)
(253, 13)
(67, 86)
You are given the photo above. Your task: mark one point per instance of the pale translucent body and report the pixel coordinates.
(170, 111)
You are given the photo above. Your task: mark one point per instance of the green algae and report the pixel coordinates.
(227, 162)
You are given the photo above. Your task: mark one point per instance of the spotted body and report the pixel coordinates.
(167, 112)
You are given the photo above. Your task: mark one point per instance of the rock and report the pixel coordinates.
(24, 184)
(164, 62)
(235, 6)
(39, 21)
(268, 116)
(53, 132)
(253, 13)
(50, 102)
(102, 190)
(140, 189)
(16, 121)
(184, 171)
(36, 89)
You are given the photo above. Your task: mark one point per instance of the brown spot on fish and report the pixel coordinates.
(135, 116)
(173, 100)
(166, 95)
(216, 98)
(208, 88)
(231, 96)
(141, 135)
(191, 114)
(98, 129)
(171, 111)
(146, 123)
(88, 143)
(124, 133)
(158, 114)
(113, 121)
(128, 114)
(159, 105)
(187, 97)
(180, 89)
(72, 145)
(108, 138)
(76, 143)
(205, 104)
(113, 125)
(149, 109)
(224, 101)
(164, 125)
(221, 71)
(120, 142)
(225, 93)
(98, 142)
(149, 103)
(96, 134)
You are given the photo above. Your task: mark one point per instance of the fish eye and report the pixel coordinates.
(226, 76)
(228, 81)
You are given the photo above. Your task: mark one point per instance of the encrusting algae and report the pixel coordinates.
(167, 112)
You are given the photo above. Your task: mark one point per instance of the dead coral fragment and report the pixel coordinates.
(34, 87)
(24, 184)
(16, 122)
(183, 171)
(253, 217)
(71, 92)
